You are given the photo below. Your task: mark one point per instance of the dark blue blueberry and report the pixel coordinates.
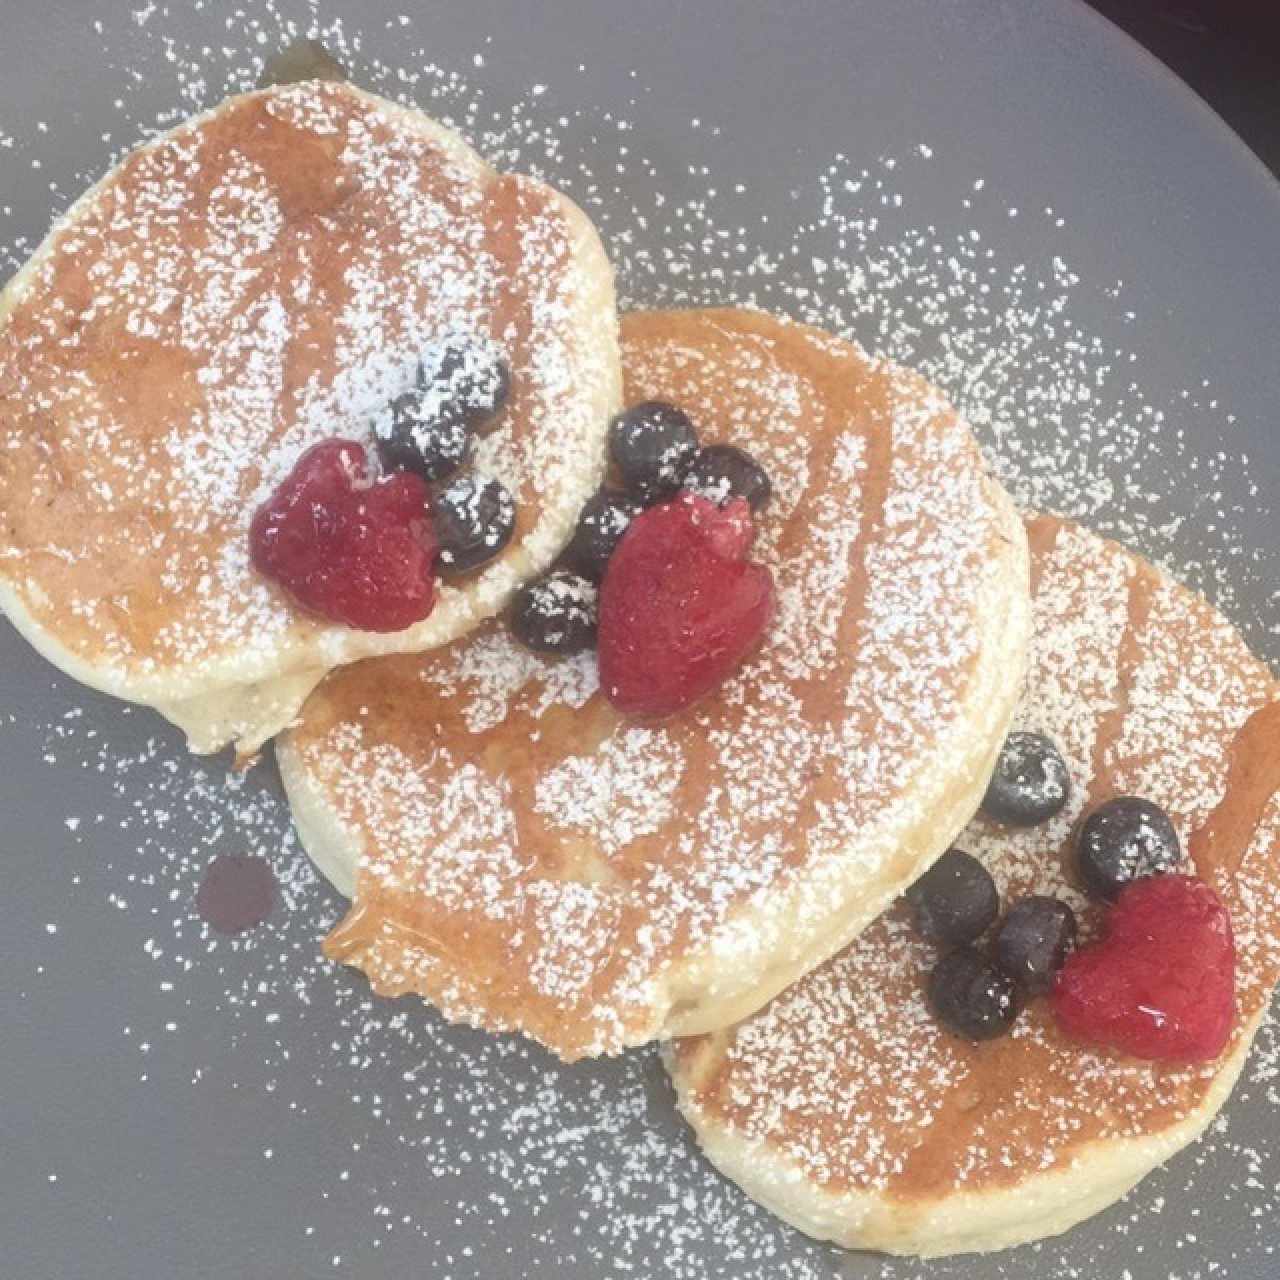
(1030, 783)
(723, 471)
(556, 614)
(1123, 840)
(955, 900)
(474, 519)
(431, 427)
(467, 380)
(415, 437)
(653, 444)
(971, 997)
(1033, 940)
(604, 520)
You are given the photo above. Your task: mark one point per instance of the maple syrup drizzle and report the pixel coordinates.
(302, 60)
(237, 893)
(1129, 658)
(1219, 845)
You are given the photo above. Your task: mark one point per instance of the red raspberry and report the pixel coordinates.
(351, 548)
(680, 606)
(1161, 982)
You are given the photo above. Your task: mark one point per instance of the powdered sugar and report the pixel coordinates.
(264, 278)
(752, 799)
(847, 1076)
(352, 1135)
(625, 791)
(495, 668)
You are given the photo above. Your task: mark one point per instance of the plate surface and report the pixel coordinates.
(1013, 197)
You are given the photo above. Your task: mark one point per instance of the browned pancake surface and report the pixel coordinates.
(1148, 691)
(531, 860)
(262, 279)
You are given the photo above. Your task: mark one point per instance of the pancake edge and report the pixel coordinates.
(1046, 1203)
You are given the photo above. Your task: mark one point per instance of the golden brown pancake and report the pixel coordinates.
(528, 860)
(264, 277)
(848, 1110)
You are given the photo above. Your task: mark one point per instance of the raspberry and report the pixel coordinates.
(348, 547)
(1161, 983)
(680, 606)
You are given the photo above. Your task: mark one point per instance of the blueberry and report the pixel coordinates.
(653, 444)
(971, 997)
(1030, 783)
(556, 614)
(1123, 840)
(723, 471)
(600, 528)
(470, 380)
(474, 520)
(955, 900)
(1033, 940)
(413, 437)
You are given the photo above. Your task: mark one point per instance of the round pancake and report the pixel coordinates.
(849, 1111)
(262, 278)
(527, 859)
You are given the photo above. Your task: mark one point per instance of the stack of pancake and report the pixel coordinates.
(516, 851)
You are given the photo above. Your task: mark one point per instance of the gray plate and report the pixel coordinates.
(178, 1104)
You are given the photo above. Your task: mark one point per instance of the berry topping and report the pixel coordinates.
(681, 605)
(1033, 940)
(1123, 840)
(971, 997)
(955, 900)
(346, 546)
(1161, 983)
(411, 437)
(556, 614)
(600, 528)
(723, 471)
(1030, 783)
(463, 380)
(653, 444)
(474, 520)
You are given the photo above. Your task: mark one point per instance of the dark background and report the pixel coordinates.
(1227, 50)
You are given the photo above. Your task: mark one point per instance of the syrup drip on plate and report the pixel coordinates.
(237, 893)
(302, 60)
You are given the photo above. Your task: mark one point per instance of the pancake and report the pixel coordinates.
(844, 1106)
(264, 277)
(526, 859)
